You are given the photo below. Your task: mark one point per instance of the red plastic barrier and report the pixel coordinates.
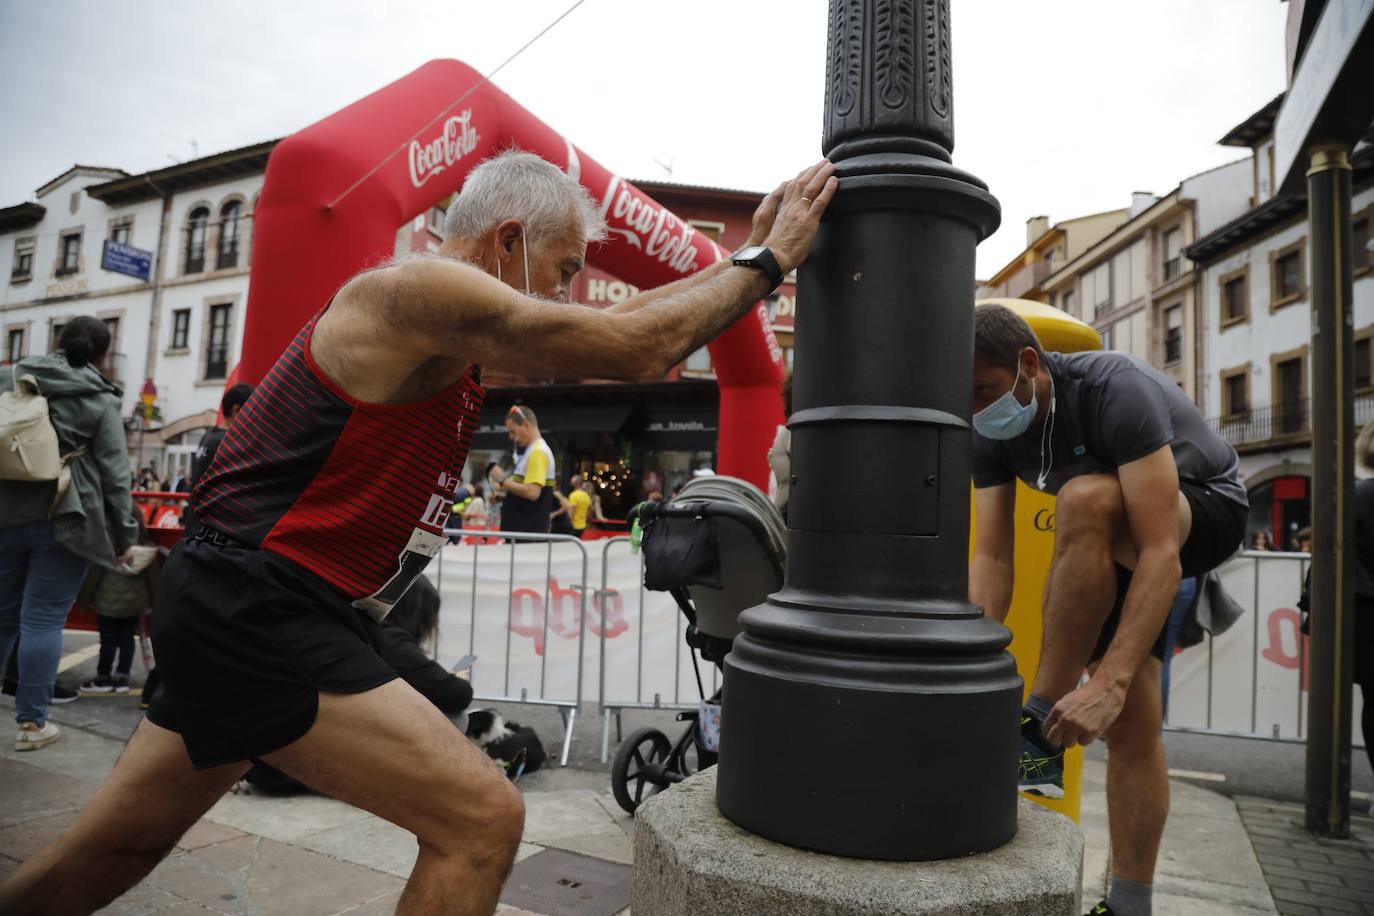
(336, 192)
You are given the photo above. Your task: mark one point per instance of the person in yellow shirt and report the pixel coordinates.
(580, 502)
(529, 488)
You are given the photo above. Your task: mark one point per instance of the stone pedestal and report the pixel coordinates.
(689, 861)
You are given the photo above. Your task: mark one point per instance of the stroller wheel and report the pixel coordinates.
(638, 769)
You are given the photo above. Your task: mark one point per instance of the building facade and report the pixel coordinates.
(1048, 247)
(1254, 286)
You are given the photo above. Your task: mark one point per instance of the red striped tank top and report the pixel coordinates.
(356, 493)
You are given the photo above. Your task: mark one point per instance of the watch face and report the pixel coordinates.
(748, 254)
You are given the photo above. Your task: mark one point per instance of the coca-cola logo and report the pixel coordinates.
(649, 227)
(457, 138)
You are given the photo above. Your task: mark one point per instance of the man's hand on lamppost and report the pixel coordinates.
(1085, 713)
(799, 210)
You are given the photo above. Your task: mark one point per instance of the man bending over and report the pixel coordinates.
(327, 498)
(1145, 493)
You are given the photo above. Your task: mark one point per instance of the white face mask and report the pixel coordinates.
(525, 252)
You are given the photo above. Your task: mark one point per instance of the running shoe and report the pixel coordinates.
(120, 682)
(62, 695)
(99, 685)
(1041, 770)
(1100, 910)
(32, 736)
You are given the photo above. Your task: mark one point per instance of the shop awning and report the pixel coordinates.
(676, 425)
(556, 420)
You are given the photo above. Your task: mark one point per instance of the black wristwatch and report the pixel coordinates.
(760, 257)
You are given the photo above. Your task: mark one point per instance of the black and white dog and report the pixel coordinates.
(514, 746)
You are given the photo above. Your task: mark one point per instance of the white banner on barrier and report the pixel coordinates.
(518, 609)
(1256, 672)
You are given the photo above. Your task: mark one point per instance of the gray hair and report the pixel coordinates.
(518, 185)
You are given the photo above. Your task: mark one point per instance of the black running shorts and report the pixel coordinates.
(245, 641)
(1217, 533)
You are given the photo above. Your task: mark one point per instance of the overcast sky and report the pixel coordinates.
(1063, 107)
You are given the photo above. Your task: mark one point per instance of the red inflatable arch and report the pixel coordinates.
(336, 192)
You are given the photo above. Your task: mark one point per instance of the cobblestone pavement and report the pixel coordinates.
(1308, 875)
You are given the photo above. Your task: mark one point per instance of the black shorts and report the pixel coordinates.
(1217, 533)
(245, 641)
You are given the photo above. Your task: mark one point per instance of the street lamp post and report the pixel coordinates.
(869, 709)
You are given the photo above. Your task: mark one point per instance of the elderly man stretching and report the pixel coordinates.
(1145, 490)
(325, 501)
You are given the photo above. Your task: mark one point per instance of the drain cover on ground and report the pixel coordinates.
(557, 883)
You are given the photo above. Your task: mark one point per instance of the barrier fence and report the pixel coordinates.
(551, 619)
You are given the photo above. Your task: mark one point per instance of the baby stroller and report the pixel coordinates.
(718, 548)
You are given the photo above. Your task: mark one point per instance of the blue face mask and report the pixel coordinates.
(1006, 417)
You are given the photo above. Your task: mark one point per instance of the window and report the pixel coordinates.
(1235, 392)
(1363, 379)
(1068, 302)
(122, 230)
(1173, 334)
(1235, 297)
(1289, 379)
(712, 231)
(700, 361)
(229, 235)
(217, 345)
(1173, 254)
(1097, 289)
(109, 364)
(57, 329)
(181, 329)
(23, 259)
(196, 226)
(69, 254)
(1286, 280)
(1363, 258)
(14, 346)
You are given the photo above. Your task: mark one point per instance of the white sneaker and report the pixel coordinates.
(31, 737)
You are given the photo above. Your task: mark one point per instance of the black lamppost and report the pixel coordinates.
(870, 710)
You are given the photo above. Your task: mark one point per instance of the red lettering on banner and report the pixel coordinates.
(529, 616)
(1278, 651)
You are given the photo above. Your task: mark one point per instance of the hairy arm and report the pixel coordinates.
(991, 574)
(445, 308)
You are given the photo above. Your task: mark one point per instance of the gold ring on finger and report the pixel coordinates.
(807, 199)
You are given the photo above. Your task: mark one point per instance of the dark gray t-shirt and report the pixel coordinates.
(1110, 409)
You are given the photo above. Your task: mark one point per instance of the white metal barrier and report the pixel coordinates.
(1252, 679)
(640, 679)
(526, 603)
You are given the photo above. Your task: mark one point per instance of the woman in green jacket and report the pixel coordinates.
(45, 552)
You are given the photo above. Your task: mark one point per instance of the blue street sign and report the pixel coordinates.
(124, 259)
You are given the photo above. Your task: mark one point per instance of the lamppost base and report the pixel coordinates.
(690, 860)
(871, 735)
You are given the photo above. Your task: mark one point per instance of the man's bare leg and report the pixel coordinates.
(1089, 516)
(151, 797)
(1138, 778)
(389, 751)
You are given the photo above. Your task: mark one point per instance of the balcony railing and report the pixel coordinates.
(1280, 421)
(1172, 268)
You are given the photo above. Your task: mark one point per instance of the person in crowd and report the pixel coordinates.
(1146, 494)
(580, 504)
(560, 520)
(1302, 541)
(229, 406)
(780, 454)
(494, 475)
(594, 491)
(1260, 540)
(475, 512)
(288, 671)
(10, 686)
(119, 597)
(1363, 670)
(529, 490)
(49, 539)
